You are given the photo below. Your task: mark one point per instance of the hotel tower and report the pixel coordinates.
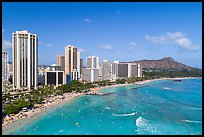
(4, 65)
(25, 60)
(72, 63)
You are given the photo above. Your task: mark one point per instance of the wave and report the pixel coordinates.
(108, 108)
(141, 121)
(122, 115)
(191, 121)
(166, 88)
(193, 108)
(145, 127)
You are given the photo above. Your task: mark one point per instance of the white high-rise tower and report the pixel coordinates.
(25, 59)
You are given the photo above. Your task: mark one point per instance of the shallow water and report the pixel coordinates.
(164, 107)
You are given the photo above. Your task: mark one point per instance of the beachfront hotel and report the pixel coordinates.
(81, 67)
(72, 61)
(55, 77)
(136, 70)
(4, 65)
(129, 69)
(25, 59)
(91, 72)
(106, 70)
(61, 62)
(92, 62)
(124, 70)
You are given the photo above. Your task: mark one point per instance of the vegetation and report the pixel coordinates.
(37, 96)
(172, 73)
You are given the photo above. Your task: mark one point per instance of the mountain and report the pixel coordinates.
(164, 63)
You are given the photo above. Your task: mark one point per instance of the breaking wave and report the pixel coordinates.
(108, 108)
(123, 115)
(145, 127)
(166, 88)
(191, 121)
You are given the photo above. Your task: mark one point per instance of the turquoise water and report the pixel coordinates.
(154, 109)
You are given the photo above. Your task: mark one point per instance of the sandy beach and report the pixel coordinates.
(147, 81)
(8, 127)
(38, 112)
(139, 83)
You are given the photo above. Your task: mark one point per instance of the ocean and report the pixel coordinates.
(163, 107)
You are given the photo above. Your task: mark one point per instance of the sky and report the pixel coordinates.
(122, 31)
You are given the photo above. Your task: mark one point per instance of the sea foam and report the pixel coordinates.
(191, 121)
(123, 115)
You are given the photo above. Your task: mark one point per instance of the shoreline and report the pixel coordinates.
(96, 89)
(164, 78)
(37, 113)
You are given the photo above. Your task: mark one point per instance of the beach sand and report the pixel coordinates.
(8, 128)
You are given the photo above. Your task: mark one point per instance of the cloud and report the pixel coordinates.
(106, 47)
(81, 50)
(6, 44)
(49, 45)
(157, 40)
(177, 38)
(44, 44)
(130, 49)
(87, 20)
(132, 43)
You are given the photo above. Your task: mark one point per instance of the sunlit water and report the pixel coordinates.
(163, 107)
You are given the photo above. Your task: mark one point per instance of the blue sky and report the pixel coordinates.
(113, 31)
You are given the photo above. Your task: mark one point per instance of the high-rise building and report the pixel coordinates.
(25, 59)
(92, 62)
(136, 70)
(72, 61)
(90, 74)
(124, 70)
(61, 62)
(115, 68)
(139, 71)
(81, 66)
(4, 65)
(75, 74)
(106, 70)
(10, 71)
(100, 71)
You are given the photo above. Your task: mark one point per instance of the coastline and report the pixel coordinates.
(139, 83)
(37, 113)
(178, 78)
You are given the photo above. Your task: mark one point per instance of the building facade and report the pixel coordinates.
(74, 75)
(61, 62)
(124, 70)
(55, 78)
(72, 60)
(4, 65)
(92, 62)
(25, 59)
(90, 74)
(81, 67)
(107, 71)
(115, 68)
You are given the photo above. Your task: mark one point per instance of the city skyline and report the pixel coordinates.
(123, 32)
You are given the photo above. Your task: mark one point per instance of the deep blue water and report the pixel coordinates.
(163, 107)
